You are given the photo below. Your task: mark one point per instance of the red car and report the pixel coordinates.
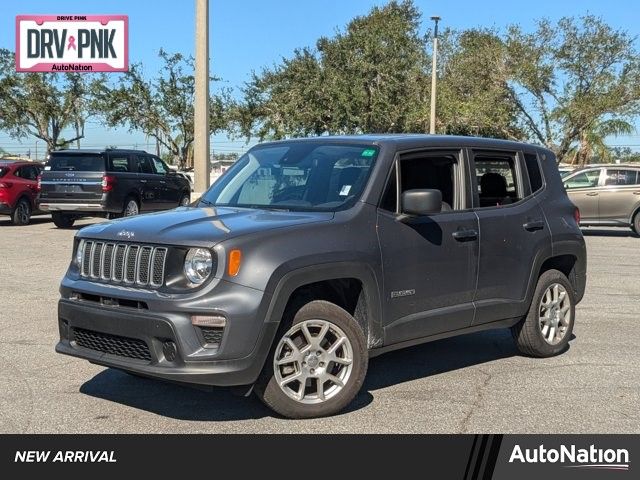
(18, 189)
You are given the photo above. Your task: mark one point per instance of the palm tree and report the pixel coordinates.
(592, 141)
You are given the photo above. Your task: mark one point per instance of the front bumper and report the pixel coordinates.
(116, 332)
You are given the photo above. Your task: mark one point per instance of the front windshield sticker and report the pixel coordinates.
(345, 190)
(369, 152)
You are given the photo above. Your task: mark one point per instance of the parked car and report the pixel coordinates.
(113, 183)
(607, 195)
(311, 256)
(18, 190)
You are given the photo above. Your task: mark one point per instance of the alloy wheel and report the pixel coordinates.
(554, 314)
(23, 213)
(131, 209)
(313, 361)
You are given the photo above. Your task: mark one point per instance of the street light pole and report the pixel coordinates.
(432, 126)
(201, 106)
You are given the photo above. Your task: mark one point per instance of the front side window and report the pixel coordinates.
(587, 179)
(425, 170)
(295, 176)
(621, 177)
(497, 179)
(158, 166)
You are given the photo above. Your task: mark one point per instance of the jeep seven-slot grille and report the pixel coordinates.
(113, 344)
(140, 265)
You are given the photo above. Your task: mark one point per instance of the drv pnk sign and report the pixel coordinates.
(72, 43)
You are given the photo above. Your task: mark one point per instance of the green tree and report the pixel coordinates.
(368, 78)
(592, 142)
(42, 105)
(569, 79)
(161, 108)
(474, 97)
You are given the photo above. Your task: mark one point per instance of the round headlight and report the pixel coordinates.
(79, 251)
(198, 265)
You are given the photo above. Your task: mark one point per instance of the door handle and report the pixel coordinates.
(636, 193)
(465, 235)
(143, 181)
(592, 194)
(533, 226)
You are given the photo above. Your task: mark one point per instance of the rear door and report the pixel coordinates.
(620, 194)
(26, 182)
(513, 233)
(583, 190)
(73, 177)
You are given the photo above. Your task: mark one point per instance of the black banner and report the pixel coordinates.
(465, 457)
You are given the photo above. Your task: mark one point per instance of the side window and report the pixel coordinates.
(119, 163)
(19, 172)
(621, 177)
(497, 179)
(143, 164)
(158, 166)
(533, 169)
(583, 180)
(423, 170)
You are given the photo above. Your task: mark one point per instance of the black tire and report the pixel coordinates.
(62, 220)
(21, 215)
(131, 207)
(635, 226)
(267, 388)
(528, 333)
(185, 200)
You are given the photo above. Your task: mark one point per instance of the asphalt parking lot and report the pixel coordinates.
(475, 383)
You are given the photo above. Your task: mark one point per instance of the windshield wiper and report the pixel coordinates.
(207, 202)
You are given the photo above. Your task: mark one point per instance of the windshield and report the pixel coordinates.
(78, 163)
(295, 176)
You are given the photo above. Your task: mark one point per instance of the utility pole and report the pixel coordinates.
(434, 64)
(201, 108)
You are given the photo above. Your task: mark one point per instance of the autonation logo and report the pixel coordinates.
(573, 457)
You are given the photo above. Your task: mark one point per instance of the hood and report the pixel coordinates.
(202, 227)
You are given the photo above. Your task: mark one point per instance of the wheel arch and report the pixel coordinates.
(352, 286)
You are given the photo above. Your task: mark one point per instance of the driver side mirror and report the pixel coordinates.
(421, 202)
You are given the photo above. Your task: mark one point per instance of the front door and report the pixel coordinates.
(429, 262)
(150, 188)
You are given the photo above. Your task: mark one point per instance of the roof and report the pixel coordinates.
(410, 140)
(608, 165)
(79, 151)
(7, 162)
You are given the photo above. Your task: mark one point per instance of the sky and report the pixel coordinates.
(247, 35)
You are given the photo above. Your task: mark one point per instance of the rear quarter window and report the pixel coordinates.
(76, 163)
(533, 169)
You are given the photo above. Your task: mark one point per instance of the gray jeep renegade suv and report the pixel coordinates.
(310, 256)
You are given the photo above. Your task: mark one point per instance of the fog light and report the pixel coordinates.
(170, 351)
(208, 320)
